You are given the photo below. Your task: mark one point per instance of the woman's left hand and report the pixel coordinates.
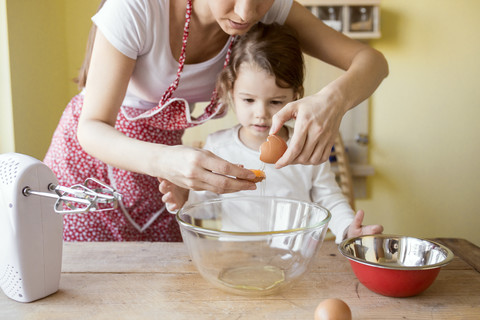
(317, 122)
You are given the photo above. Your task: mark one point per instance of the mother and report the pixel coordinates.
(151, 61)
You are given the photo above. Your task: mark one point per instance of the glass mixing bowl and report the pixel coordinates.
(253, 245)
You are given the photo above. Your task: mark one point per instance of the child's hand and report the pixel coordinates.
(357, 229)
(174, 196)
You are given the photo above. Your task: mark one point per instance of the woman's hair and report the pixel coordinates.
(81, 79)
(273, 48)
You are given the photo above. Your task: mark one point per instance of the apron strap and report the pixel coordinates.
(186, 29)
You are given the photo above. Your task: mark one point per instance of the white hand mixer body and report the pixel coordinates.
(31, 224)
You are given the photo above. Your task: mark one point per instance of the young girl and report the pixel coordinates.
(151, 61)
(266, 73)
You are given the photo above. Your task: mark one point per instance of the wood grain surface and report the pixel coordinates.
(158, 281)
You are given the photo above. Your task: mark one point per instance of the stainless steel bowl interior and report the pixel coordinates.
(396, 252)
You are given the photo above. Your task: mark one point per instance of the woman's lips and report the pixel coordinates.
(239, 26)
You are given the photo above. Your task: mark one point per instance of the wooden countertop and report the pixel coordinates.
(158, 281)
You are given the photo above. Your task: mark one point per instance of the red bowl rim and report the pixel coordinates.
(342, 248)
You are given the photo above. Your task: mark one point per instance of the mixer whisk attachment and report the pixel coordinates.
(91, 196)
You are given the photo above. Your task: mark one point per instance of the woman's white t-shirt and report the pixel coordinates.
(140, 30)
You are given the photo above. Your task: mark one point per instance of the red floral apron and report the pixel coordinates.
(141, 215)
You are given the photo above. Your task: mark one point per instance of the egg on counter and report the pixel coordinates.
(333, 309)
(272, 149)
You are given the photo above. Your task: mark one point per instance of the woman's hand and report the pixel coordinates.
(317, 124)
(199, 169)
(356, 228)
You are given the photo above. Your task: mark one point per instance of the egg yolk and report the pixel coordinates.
(259, 175)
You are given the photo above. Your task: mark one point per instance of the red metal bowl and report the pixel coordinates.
(395, 266)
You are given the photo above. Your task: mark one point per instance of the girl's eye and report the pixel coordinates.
(276, 102)
(248, 100)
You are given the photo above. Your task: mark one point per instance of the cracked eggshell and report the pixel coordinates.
(272, 149)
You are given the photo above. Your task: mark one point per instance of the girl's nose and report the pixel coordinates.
(245, 9)
(261, 111)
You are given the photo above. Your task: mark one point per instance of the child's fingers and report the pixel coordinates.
(170, 201)
(162, 187)
(171, 207)
(167, 197)
(358, 220)
(372, 229)
(165, 186)
(357, 229)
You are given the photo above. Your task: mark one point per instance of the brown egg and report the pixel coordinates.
(272, 149)
(333, 309)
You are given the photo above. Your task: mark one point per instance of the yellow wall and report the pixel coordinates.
(46, 45)
(37, 65)
(425, 133)
(6, 117)
(424, 117)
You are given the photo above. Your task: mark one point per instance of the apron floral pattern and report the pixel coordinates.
(141, 215)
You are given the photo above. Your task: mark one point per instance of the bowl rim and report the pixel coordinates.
(449, 254)
(210, 231)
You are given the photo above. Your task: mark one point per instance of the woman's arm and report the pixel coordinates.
(107, 82)
(106, 85)
(318, 116)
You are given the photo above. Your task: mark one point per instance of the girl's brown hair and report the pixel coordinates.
(272, 47)
(81, 79)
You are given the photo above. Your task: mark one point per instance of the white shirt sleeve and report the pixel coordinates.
(123, 23)
(326, 192)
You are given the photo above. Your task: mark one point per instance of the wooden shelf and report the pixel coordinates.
(358, 19)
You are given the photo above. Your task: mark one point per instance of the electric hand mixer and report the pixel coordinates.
(31, 223)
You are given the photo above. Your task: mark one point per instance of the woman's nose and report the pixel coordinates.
(245, 9)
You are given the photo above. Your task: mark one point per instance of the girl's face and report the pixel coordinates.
(236, 17)
(256, 98)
